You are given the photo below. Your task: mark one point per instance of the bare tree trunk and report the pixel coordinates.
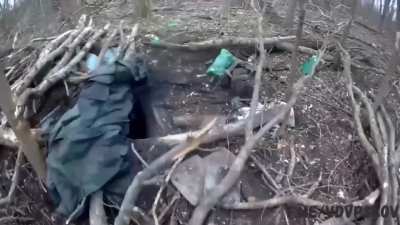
(299, 36)
(347, 29)
(143, 8)
(398, 16)
(290, 12)
(294, 62)
(225, 8)
(383, 16)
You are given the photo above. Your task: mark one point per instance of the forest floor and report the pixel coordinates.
(324, 138)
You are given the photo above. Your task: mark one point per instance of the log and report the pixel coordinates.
(219, 43)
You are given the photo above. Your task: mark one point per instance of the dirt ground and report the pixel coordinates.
(324, 137)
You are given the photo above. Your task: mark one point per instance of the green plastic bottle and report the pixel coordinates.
(224, 60)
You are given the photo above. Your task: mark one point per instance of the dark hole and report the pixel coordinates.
(138, 124)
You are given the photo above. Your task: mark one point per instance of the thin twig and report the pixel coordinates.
(275, 186)
(9, 219)
(139, 156)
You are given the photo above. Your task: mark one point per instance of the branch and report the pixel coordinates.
(297, 200)
(275, 187)
(372, 119)
(346, 60)
(131, 42)
(286, 46)
(158, 196)
(259, 72)
(227, 130)
(14, 180)
(275, 202)
(54, 49)
(8, 138)
(385, 184)
(97, 215)
(292, 163)
(106, 46)
(393, 167)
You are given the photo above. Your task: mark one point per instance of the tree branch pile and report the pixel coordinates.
(380, 145)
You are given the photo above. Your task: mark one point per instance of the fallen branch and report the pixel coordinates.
(14, 180)
(158, 196)
(275, 202)
(292, 163)
(97, 215)
(191, 121)
(393, 167)
(219, 43)
(224, 131)
(262, 168)
(385, 185)
(11, 219)
(298, 200)
(366, 26)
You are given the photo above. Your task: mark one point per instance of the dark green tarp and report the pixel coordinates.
(88, 146)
